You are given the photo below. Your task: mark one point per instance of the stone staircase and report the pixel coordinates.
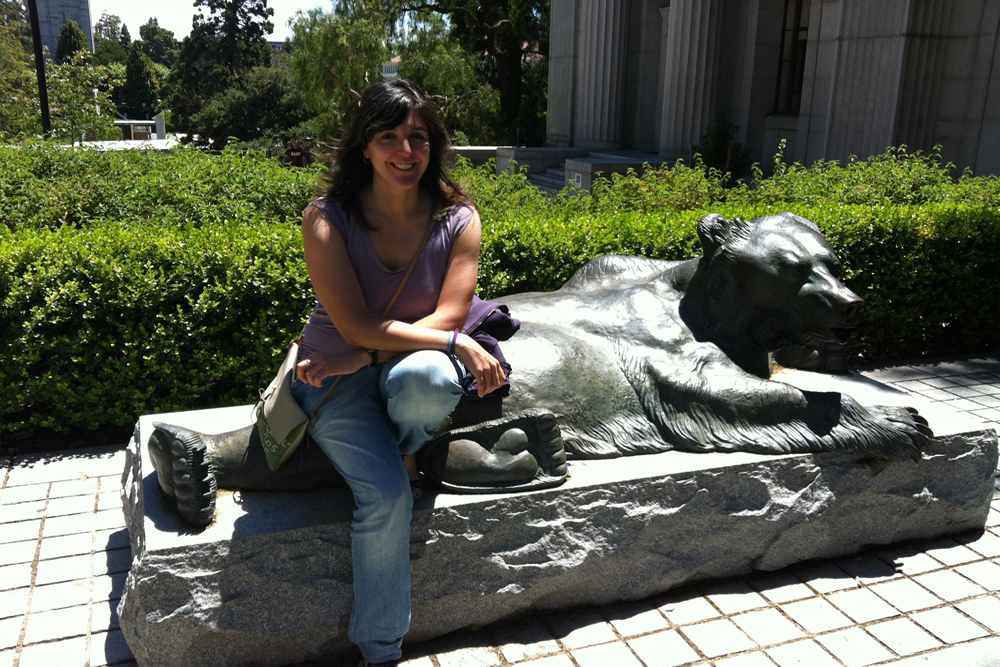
(552, 180)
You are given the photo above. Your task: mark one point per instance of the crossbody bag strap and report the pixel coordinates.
(392, 301)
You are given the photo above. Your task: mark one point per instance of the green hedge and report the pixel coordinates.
(189, 307)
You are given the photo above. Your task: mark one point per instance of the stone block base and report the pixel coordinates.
(269, 583)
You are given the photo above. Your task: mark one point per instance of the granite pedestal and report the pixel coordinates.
(269, 582)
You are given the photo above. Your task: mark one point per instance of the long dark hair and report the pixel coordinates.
(383, 106)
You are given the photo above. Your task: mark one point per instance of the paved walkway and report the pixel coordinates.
(64, 553)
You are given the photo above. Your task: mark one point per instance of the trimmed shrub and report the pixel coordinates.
(135, 284)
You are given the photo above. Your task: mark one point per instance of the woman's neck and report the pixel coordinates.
(390, 206)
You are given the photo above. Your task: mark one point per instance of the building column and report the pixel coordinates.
(600, 91)
(689, 76)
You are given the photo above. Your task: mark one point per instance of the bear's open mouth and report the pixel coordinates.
(842, 335)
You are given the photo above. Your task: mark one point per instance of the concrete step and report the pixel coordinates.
(547, 180)
(557, 172)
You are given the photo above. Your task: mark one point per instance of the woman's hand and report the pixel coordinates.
(483, 365)
(322, 365)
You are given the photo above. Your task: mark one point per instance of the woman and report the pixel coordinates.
(402, 374)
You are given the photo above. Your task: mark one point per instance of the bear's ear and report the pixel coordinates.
(715, 231)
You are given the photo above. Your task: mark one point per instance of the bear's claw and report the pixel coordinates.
(184, 473)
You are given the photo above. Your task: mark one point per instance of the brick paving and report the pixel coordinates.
(64, 555)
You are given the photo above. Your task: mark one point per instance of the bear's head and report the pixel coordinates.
(771, 282)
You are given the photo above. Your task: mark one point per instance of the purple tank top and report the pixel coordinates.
(420, 295)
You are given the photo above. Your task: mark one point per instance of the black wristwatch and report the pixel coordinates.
(374, 357)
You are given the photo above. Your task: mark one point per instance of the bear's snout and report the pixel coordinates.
(851, 309)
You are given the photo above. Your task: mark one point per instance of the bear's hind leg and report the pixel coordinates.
(180, 458)
(516, 453)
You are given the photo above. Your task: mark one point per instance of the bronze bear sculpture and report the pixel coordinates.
(630, 356)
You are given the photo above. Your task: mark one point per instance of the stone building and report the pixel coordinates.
(833, 78)
(53, 13)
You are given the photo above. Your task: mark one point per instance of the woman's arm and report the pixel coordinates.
(338, 289)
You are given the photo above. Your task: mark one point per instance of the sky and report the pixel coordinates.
(176, 15)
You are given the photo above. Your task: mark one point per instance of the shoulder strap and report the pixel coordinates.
(392, 301)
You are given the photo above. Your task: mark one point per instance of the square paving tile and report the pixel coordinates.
(517, 641)
(949, 625)
(551, 661)
(109, 587)
(807, 653)
(782, 587)
(112, 538)
(905, 595)
(15, 576)
(985, 573)
(767, 627)
(903, 636)
(663, 649)
(963, 391)
(422, 661)
(17, 552)
(816, 615)
(10, 631)
(986, 401)
(70, 505)
(827, 577)
(74, 487)
(869, 569)
(734, 596)
(65, 653)
(13, 602)
(689, 610)
(23, 494)
(746, 660)
(616, 653)
(986, 610)
(69, 568)
(470, 656)
(19, 531)
(949, 585)
(634, 619)
(963, 404)
(112, 562)
(110, 500)
(862, 605)
(69, 525)
(939, 383)
(45, 626)
(109, 519)
(57, 596)
(580, 629)
(855, 647)
(22, 511)
(104, 616)
(718, 638)
(950, 552)
(66, 545)
(985, 544)
(7, 658)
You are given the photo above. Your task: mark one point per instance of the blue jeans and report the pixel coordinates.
(369, 420)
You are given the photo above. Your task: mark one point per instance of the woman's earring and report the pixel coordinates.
(364, 158)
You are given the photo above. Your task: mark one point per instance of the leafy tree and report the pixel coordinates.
(448, 74)
(264, 103)
(14, 19)
(221, 46)
(79, 97)
(126, 39)
(141, 91)
(335, 57)
(110, 51)
(71, 41)
(108, 28)
(158, 43)
(19, 113)
(508, 34)
(241, 27)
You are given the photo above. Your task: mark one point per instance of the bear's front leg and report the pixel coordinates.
(516, 453)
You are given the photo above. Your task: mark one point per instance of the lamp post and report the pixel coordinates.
(43, 92)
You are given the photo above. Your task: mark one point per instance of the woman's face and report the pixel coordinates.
(399, 156)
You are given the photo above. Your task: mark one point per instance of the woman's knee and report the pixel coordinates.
(428, 373)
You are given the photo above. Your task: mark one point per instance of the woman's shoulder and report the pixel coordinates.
(331, 208)
(458, 216)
